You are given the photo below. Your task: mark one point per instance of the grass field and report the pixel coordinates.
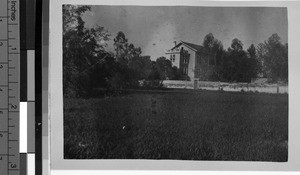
(186, 125)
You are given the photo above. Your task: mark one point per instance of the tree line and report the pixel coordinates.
(87, 65)
(269, 60)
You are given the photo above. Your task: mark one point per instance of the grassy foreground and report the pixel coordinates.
(186, 125)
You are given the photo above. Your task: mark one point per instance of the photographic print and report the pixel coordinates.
(175, 83)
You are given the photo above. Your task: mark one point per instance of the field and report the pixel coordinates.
(178, 124)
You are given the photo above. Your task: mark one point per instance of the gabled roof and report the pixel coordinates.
(195, 47)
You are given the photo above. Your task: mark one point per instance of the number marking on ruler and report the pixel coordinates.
(9, 87)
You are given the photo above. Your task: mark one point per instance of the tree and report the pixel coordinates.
(72, 17)
(215, 48)
(120, 44)
(208, 42)
(165, 71)
(255, 67)
(237, 65)
(142, 67)
(131, 66)
(164, 68)
(81, 50)
(274, 58)
(124, 50)
(237, 45)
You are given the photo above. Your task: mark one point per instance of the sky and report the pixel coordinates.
(155, 29)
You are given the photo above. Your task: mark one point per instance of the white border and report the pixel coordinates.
(56, 107)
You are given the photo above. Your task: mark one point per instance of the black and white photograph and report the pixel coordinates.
(196, 83)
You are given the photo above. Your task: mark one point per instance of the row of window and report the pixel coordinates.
(172, 58)
(185, 60)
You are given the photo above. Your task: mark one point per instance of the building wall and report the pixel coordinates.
(191, 63)
(196, 70)
(177, 58)
(191, 70)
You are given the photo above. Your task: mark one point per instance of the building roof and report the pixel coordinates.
(195, 47)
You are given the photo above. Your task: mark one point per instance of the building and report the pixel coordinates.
(192, 60)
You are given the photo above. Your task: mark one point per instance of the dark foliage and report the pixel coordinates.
(273, 56)
(269, 59)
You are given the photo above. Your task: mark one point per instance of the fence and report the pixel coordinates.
(246, 87)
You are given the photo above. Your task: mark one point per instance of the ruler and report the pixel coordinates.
(9, 87)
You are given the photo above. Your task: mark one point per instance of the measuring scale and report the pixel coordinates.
(9, 87)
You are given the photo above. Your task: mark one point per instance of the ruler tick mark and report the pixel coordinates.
(12, 45)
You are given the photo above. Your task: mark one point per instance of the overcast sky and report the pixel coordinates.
(155, 29)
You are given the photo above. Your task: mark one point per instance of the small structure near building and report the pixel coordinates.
(192, 60)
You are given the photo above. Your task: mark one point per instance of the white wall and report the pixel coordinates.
(192, 61)
(177, 58)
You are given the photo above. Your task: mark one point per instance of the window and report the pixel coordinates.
(172, 58)
(185, 59)
(185, 70)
